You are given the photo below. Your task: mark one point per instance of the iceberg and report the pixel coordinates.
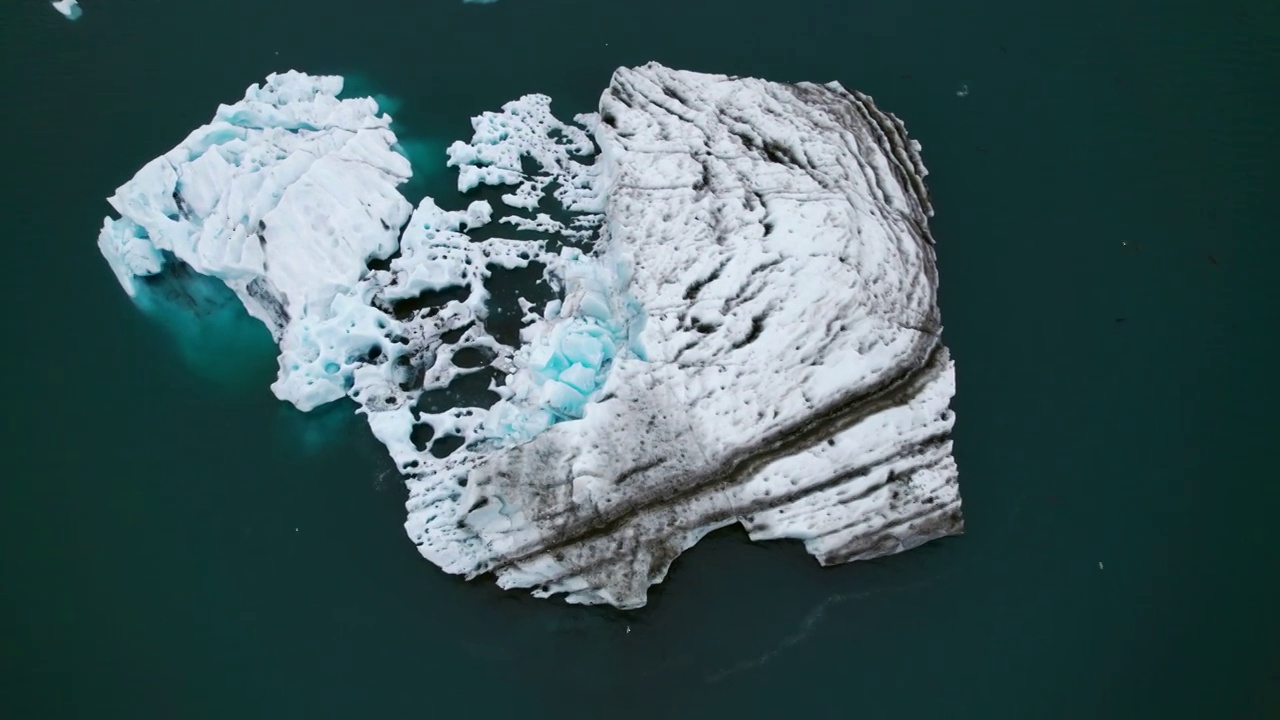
(69, 8)
(744, 327)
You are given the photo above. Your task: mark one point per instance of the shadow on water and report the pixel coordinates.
(694, 630)
(691, 631)
(318, 430)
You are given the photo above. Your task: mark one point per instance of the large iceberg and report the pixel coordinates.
(744, 329)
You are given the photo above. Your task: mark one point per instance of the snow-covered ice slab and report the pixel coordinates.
(746, 328)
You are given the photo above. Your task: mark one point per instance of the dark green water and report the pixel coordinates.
(175, 543)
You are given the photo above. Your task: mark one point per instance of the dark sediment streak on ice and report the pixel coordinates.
(795, 380)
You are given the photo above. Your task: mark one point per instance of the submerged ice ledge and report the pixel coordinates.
(744, 330)
(69, 8)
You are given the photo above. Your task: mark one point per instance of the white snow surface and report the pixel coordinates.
(746, 328)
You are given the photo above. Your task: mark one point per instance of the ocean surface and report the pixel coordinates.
(176, 543)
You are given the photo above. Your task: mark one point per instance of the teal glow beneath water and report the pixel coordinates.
(210, 329)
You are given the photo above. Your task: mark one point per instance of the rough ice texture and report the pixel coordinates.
(745, 330)
(285, 197)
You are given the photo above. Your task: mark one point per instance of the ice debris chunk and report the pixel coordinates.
(69, 8)
(526, 129)
(743, 323)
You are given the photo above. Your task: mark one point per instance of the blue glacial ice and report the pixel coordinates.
(744, 326)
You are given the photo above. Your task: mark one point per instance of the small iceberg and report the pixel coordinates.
(69, 8)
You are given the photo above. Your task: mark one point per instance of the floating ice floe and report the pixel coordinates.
(745, 328)
(69, 8)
